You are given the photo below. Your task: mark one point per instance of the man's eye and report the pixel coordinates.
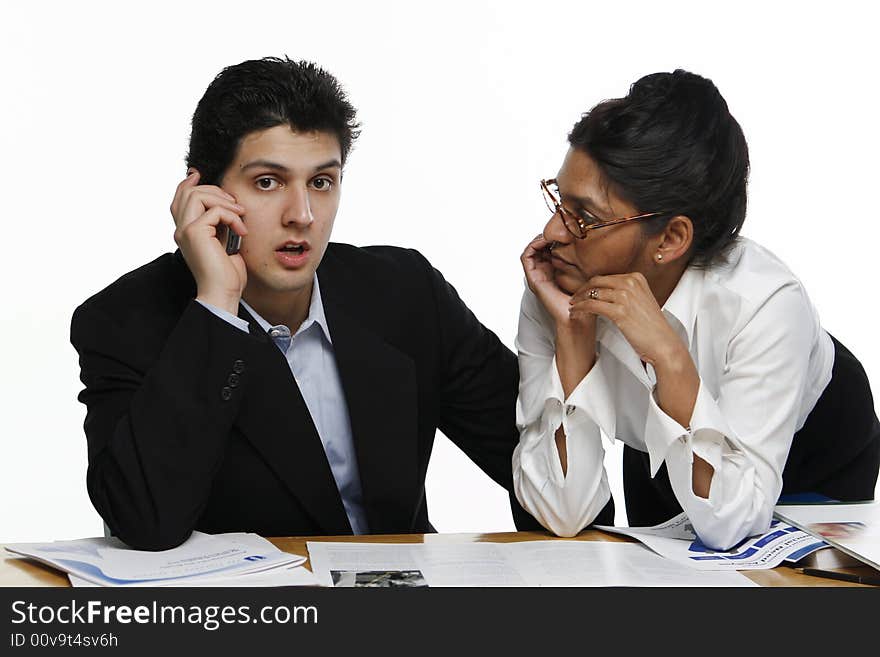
(322, 184)
(267, 184)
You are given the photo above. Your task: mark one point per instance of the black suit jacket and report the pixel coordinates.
(195, 424)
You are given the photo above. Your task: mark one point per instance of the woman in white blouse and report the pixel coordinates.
(648, 319)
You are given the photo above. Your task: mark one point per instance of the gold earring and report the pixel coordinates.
(659, 257)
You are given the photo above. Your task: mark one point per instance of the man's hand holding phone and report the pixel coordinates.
(205, 218)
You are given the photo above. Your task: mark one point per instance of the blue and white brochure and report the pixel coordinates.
(109, 562)
(675, 539)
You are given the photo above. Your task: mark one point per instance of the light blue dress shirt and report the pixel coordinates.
(309, 353)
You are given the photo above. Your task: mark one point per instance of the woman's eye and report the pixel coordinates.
(267, 184)
(322, 184)
(587, 218)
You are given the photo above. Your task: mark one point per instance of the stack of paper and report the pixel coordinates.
(852, 528)
(529, 563)
(237, 559)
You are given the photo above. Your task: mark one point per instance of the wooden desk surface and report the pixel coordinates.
(24, 572)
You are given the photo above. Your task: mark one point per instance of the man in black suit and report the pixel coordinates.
(293, 387)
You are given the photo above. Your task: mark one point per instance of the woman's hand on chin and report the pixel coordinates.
(627, 300)
(539, 275)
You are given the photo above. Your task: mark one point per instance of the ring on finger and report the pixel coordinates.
(594, 293)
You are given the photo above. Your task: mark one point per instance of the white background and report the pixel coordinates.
(463, 108)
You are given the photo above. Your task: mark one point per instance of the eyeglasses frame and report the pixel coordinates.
(584, 228)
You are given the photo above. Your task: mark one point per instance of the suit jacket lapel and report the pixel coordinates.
(379, 383)
(275, 419)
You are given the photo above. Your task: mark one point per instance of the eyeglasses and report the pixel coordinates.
(577, 225)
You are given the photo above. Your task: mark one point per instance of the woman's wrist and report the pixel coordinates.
(678, 383)
(577, 340)
(575, 353)
(672, 359)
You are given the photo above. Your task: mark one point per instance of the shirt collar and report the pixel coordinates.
(682, 306)
(684, 302)
(315, 316)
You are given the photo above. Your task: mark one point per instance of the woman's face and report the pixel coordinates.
(616, 249)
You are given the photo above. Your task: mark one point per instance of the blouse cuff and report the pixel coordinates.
(709, 429)
(591, 401)
(704, 436)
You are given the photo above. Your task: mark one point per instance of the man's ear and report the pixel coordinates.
(675, 240)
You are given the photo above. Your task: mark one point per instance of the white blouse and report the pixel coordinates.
(763, 361)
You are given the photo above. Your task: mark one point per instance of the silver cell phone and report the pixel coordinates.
(233, 241)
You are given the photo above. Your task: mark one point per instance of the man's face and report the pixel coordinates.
(289, 184)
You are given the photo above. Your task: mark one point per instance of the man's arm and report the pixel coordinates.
(156, 428)
(477, 391)
(157, 432)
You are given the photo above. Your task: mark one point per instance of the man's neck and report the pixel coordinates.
(288, 308)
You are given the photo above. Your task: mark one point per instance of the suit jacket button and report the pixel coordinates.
(238, 366)
(226, 393)
(232, 380)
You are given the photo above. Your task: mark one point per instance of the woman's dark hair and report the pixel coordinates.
(671, 145)
(260, 94)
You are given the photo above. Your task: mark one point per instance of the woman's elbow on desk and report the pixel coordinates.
(551, 520)
(723, 534)
(569, 524)
(559, 515)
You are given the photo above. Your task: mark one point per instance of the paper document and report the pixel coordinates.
(282, 576)
(109, 562)
(851, 528)
(675, 539)
(529, 563)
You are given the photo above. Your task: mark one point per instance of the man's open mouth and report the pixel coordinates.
(294, 248)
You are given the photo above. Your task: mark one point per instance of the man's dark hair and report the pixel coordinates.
(260, 94)
(672, 145)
